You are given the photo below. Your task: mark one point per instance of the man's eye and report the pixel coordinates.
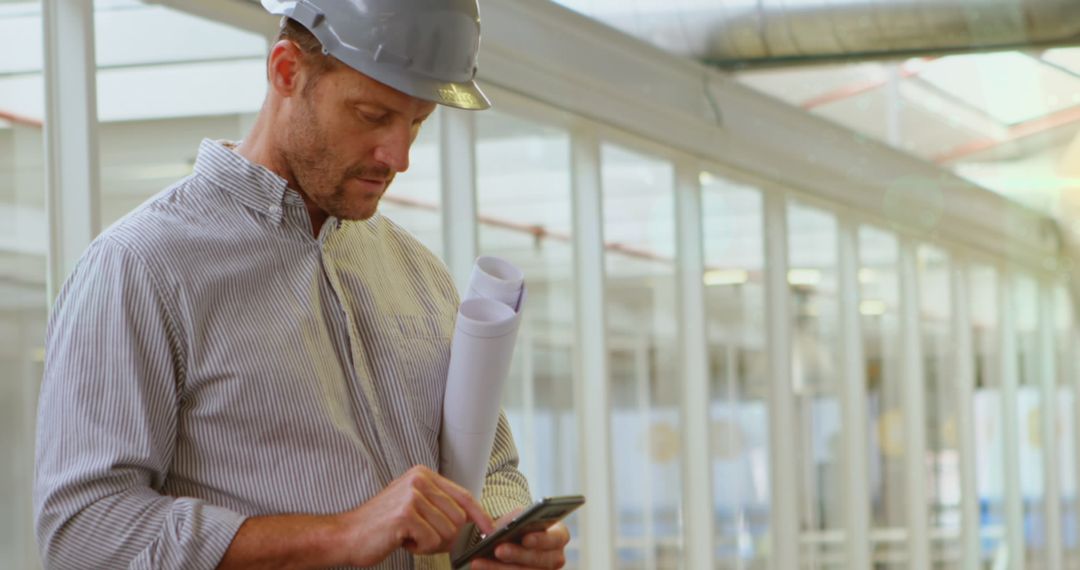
(373, 117)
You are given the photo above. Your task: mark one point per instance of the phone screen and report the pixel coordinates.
(536, 518)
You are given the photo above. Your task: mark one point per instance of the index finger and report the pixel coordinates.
(472, 507)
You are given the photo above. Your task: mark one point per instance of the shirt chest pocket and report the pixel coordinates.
(420, 355)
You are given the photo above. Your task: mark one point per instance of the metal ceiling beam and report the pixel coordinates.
(1057, 66)
(1034, 127)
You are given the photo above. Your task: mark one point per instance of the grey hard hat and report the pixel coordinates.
(425, 48)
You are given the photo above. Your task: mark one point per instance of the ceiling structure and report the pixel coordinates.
(1007, 120)
(1005, 116)
(151, 79)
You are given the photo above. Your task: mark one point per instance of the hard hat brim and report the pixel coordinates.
(466, 95)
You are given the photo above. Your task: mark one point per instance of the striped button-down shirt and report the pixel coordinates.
(209, 359)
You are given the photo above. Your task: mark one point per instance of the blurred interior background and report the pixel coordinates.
(801, 272)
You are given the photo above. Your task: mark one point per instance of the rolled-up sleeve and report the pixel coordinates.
(107, 422)
(505, 487)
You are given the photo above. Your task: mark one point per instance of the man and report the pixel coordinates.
(247, 371)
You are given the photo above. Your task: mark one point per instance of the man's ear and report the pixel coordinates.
(284, 68)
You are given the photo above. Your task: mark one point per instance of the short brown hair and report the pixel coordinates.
(317, 61)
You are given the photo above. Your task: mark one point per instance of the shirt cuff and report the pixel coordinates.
(220, 528)
(196, 535)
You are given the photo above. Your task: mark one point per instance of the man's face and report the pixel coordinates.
(346, 137)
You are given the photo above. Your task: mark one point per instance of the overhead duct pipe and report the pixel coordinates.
(743, 33)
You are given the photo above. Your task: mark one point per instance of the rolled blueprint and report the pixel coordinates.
(480, 354)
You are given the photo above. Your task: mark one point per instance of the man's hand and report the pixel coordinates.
(539, 550)
(421, 511)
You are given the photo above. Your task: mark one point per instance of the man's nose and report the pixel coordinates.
(393, 149)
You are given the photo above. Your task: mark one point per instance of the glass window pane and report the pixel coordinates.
(640, 300)
(969, 77)
(159, 94)
(523, 192)
(942, 445)
(988, 406)
(23, 247)
(812, 252)
(879, 309)
(738, 372)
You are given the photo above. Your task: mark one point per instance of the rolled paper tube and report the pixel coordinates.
(480, 356)
(497, 279)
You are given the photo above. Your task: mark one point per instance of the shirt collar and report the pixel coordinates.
(253, 185)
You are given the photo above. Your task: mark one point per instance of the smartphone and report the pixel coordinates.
(536, 518)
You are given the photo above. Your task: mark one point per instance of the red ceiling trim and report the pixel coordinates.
(858, 88)
(1016, 132)
(21, 119)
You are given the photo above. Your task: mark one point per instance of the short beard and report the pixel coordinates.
(307, 149)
